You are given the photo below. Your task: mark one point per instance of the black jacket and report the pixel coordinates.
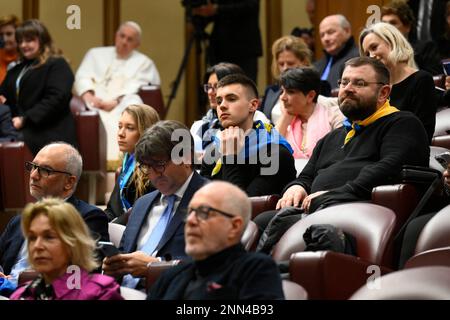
(43, 101)
(232, 274)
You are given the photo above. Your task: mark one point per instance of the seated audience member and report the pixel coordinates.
(307, 35)
(368, 151)
(203, 130)
(7, 131)
(109, 79)
(59, 246)
(131, 183)
(338, 45)
(288, 52)
(415, 226)
(8, 51)
(426, 54)
(305, 121)
(221, 268)
(54, 172)
(38, 89)
(247, 153)
(155, 228)
(412, 89)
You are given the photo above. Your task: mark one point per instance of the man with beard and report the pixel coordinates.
(370, 150)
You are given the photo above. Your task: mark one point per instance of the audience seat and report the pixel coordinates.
(152, 96)
(155, 269)
(441, 136)
(14, 190)
(250, 237)
(26, 276)
(115, 231)
(91, 137)
(330, 275)
(426, 283)
(293, 291)
(261, 204)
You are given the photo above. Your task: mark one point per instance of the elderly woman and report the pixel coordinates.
(412, 89)
(62, 251)
(304, 121)
(131, 184)
(38, 89)
(287, 52)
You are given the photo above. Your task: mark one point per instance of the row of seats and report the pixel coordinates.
(91, 137)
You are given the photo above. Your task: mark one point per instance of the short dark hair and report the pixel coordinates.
(402, 10)
(301, 79)
(241, 79)
(380, 69)
(157, 141)
(223, 69)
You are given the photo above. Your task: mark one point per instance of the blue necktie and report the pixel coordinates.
(326, 72)
(153, 241)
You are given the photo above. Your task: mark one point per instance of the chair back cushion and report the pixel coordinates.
(436, 233)
(370, 224)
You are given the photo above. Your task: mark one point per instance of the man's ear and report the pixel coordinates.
(384, 92)
(70, 183)
(236, 227)
(254, 105)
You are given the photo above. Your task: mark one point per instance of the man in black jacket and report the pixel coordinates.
(236, 36)
(369, 150)
(221, 268)
(54, 172)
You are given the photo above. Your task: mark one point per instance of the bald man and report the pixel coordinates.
(221, 268)
(338, 46)
(109, 79)
(54, 172)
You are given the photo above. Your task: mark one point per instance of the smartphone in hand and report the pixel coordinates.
(443, 159)
(108, 249)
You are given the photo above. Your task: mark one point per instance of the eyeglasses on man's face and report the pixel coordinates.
(204, 212)
(42, 171)
(208, 86)
(357, 83)
(157, 166)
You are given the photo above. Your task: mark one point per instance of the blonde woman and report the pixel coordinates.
(131, 184)
(412, 89)
(62, 251)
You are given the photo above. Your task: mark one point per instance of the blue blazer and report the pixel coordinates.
(172, 242)
(12, 238)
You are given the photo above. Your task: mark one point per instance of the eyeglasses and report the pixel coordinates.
(203, 212)
(207, 87)
(359, 83)
(42, 171)
(159, 167)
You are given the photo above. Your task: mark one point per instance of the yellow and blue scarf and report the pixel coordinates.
(355, 127)
(262, 135)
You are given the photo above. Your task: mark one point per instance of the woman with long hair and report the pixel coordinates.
(38, 89)
(131, 184)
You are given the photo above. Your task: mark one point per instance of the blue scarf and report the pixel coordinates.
(262, 135)
(128, 165)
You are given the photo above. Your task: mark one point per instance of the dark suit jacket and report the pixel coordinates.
(44, 98)
(12, 239)
(7, 131)
(437, 21)
(172, 241)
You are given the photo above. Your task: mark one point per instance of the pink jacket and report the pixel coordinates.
(92, 287)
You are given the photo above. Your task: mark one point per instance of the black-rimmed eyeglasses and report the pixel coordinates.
(208, 86)
(158, 167)
(43, 171)
(203, 212)
(358, 83)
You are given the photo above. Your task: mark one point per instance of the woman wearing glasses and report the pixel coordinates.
(412, 89)
(203, 130)
(131, 184)
(61, 250)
